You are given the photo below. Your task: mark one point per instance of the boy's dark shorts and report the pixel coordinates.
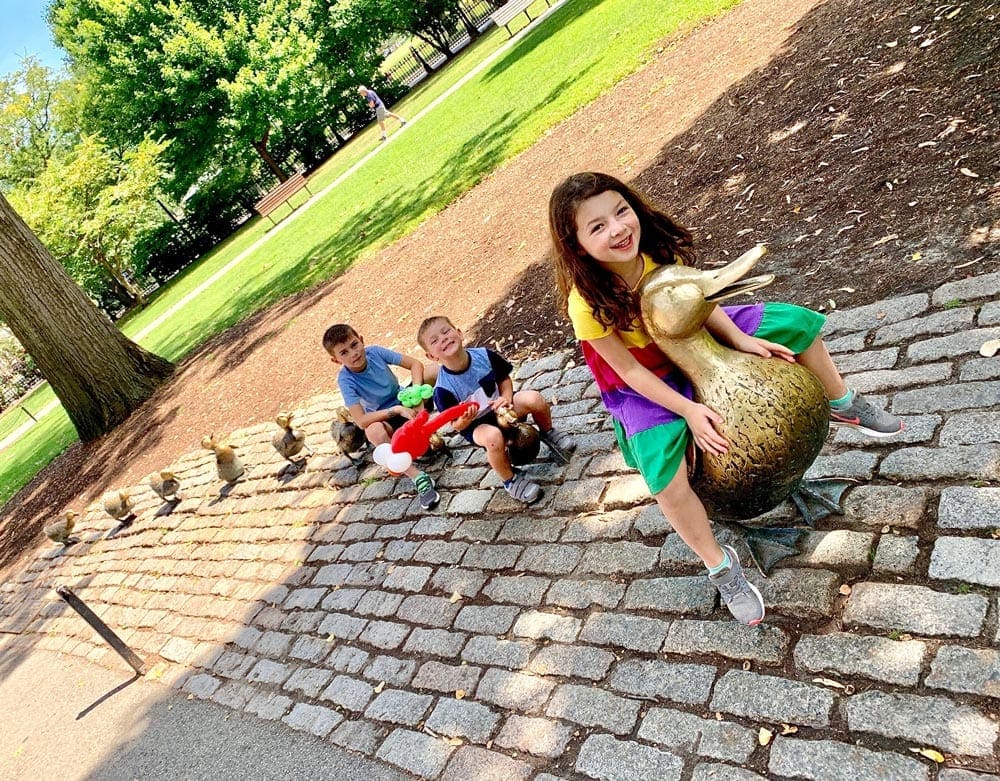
(490, 418)
(395, 422)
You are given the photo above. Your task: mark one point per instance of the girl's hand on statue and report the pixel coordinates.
(703, 421)
(765, 349)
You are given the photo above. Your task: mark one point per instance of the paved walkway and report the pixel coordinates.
(577, 639)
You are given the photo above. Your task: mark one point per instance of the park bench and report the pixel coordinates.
(505, 14)
(281, 194)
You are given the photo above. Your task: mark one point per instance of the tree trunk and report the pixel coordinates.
(261, 147)
(470, 28)
(98, 374)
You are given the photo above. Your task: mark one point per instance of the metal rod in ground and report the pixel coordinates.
(103, 630)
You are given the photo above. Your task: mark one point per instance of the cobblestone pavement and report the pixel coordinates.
(578, 639)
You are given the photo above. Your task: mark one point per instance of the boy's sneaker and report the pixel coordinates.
(740, 595)
(523, 489)
(560, 443)
(402, 122)
(426, 493)
(866, 418)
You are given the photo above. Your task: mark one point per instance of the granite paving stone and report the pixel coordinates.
(398, 706)
(830, 760)
(435, 642)
(972, 670)
(772, 698)
(393, 671)
(463, 719)
(532, 735)
(486, 619)
(672, 595)
(915, 609)
(514, 690)
(429, 611)
(415, 752)
(896, 555)
(578, 638)
(521, 590)
(384, 635)
(593, 707)
(309, 681)
(314, 719)
(971, 428)
(673, 729)
(879, 658)
(716, 771)
(970, 559)
(347, 659)
(455, 580)
(358, 735)
(637, 633)
(766, 643)
(616, 558)
(582, 594)
(572, 662)
(472, 762)
(489, 650)
(656, 679)
(934, 721)
(538, 624)
(549, 559)
(608, 759)
(447, 678)
(349, 693)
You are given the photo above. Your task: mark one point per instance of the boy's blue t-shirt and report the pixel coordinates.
(373, 96)
(480, 382)
(376, 387)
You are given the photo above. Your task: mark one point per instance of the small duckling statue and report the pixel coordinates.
(118, 504)
(290, 441)
(776, 414)
(522, 438)
(60, 531)
(228, 463)
(165, 485)
(348, 436)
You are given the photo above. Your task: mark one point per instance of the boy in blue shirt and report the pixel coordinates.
(482, 375)
(369, 389)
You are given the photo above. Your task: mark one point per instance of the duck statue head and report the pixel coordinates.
(776, 414)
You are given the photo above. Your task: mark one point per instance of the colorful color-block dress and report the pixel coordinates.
(652, 438)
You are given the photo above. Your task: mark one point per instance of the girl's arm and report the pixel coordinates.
(722, 327)
(700, 419)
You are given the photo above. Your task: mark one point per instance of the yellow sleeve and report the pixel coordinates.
(581, 316)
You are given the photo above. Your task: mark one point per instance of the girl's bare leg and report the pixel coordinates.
(816, 358)
(685, 512)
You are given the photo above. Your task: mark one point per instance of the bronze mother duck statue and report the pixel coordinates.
(776, 414)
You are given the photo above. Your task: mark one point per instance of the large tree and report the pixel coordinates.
(97, 373)
(92, 208)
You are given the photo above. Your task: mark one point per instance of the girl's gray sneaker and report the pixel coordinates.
(866, 418)
(740, 595)
(523, 489)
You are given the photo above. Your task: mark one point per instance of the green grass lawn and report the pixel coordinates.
(580, 51)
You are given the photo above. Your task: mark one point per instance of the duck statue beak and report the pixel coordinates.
(728, 281)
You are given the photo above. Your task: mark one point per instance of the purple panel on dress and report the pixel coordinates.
(747, 316)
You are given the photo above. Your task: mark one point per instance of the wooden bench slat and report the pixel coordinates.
(280, 194)
(506, 13)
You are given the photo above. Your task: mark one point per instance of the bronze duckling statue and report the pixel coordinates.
(60, 531)
(776, 414)
(348, 435)
(523, 442)
(227, 462)
(290, 441)
(165, 485)
(119, 505)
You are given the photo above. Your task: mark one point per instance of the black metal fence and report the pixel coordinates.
(422, 59)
